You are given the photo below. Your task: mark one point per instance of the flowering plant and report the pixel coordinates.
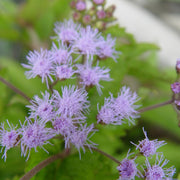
(87, 103)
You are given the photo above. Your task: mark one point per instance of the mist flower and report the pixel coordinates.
(34, 135)
(127, 169)
(158, 171)
(8, 138)
(148, 147)
(120, 108)
(67, 31)
(91, 76)
(72, 103)
(42, 107)
(40, 64)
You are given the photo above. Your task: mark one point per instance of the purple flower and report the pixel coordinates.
(157, 171)
(42, 108)
(148, 147)
(80, 138)
(72, 103)
(64, 125)
(106, 49)
(127, 169)
(101, 14)
(117, 109)
(175, 87)
(88, 41)
(67, 31)
(40, 64)
(98, 1)
(61, 55)
(34, 134)
(91, 76)
(64, 72)
(80, 5)
(8, 138)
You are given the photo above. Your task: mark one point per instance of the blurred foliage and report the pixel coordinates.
(30, 24)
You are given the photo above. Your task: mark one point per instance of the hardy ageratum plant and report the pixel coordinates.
(62, 112)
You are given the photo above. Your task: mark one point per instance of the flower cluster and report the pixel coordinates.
(115, 110)
(66, 113)
(128, 168)
(58, 64)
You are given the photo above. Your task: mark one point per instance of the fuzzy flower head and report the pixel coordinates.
(127, 169)
(178, 66)
(34, 134)
(72, 103)
(175, 87)
(8, 138)
(157, 171)
(63, 125)
(88, 41)
(67, 31)
(40, 64)
(80, 137)
(107, 49)
(61, 54)
(148, 147)
(64, 72)
(41, 107)
(91, 76)
(124, 104)
(115, 110)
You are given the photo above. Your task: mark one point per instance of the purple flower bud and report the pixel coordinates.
(40, 64)
(8, 138)
(101, 14)
(80, 5)
(87, 19)
(178, 66)
(175, 87)
(148, 147)
(76, 16)
(98, 1)
(156, 171)
(73, 4)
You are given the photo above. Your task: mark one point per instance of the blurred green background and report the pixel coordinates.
(28, 25)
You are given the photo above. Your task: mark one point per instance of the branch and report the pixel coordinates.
(16, 90)
(155, 106)
(44, 163)
(105, 154)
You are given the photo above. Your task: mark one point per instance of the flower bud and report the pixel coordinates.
(98, 2)
(80, 5)
(76, 16)
(87, 19)
(178, 66)
(101, 14)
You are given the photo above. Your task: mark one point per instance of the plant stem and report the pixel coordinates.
(105, 154)
(44, 163)
(53, 84)
(16, 90)
(156, 106)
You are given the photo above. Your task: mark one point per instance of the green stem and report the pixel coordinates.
(44, 163)
(15, 89)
